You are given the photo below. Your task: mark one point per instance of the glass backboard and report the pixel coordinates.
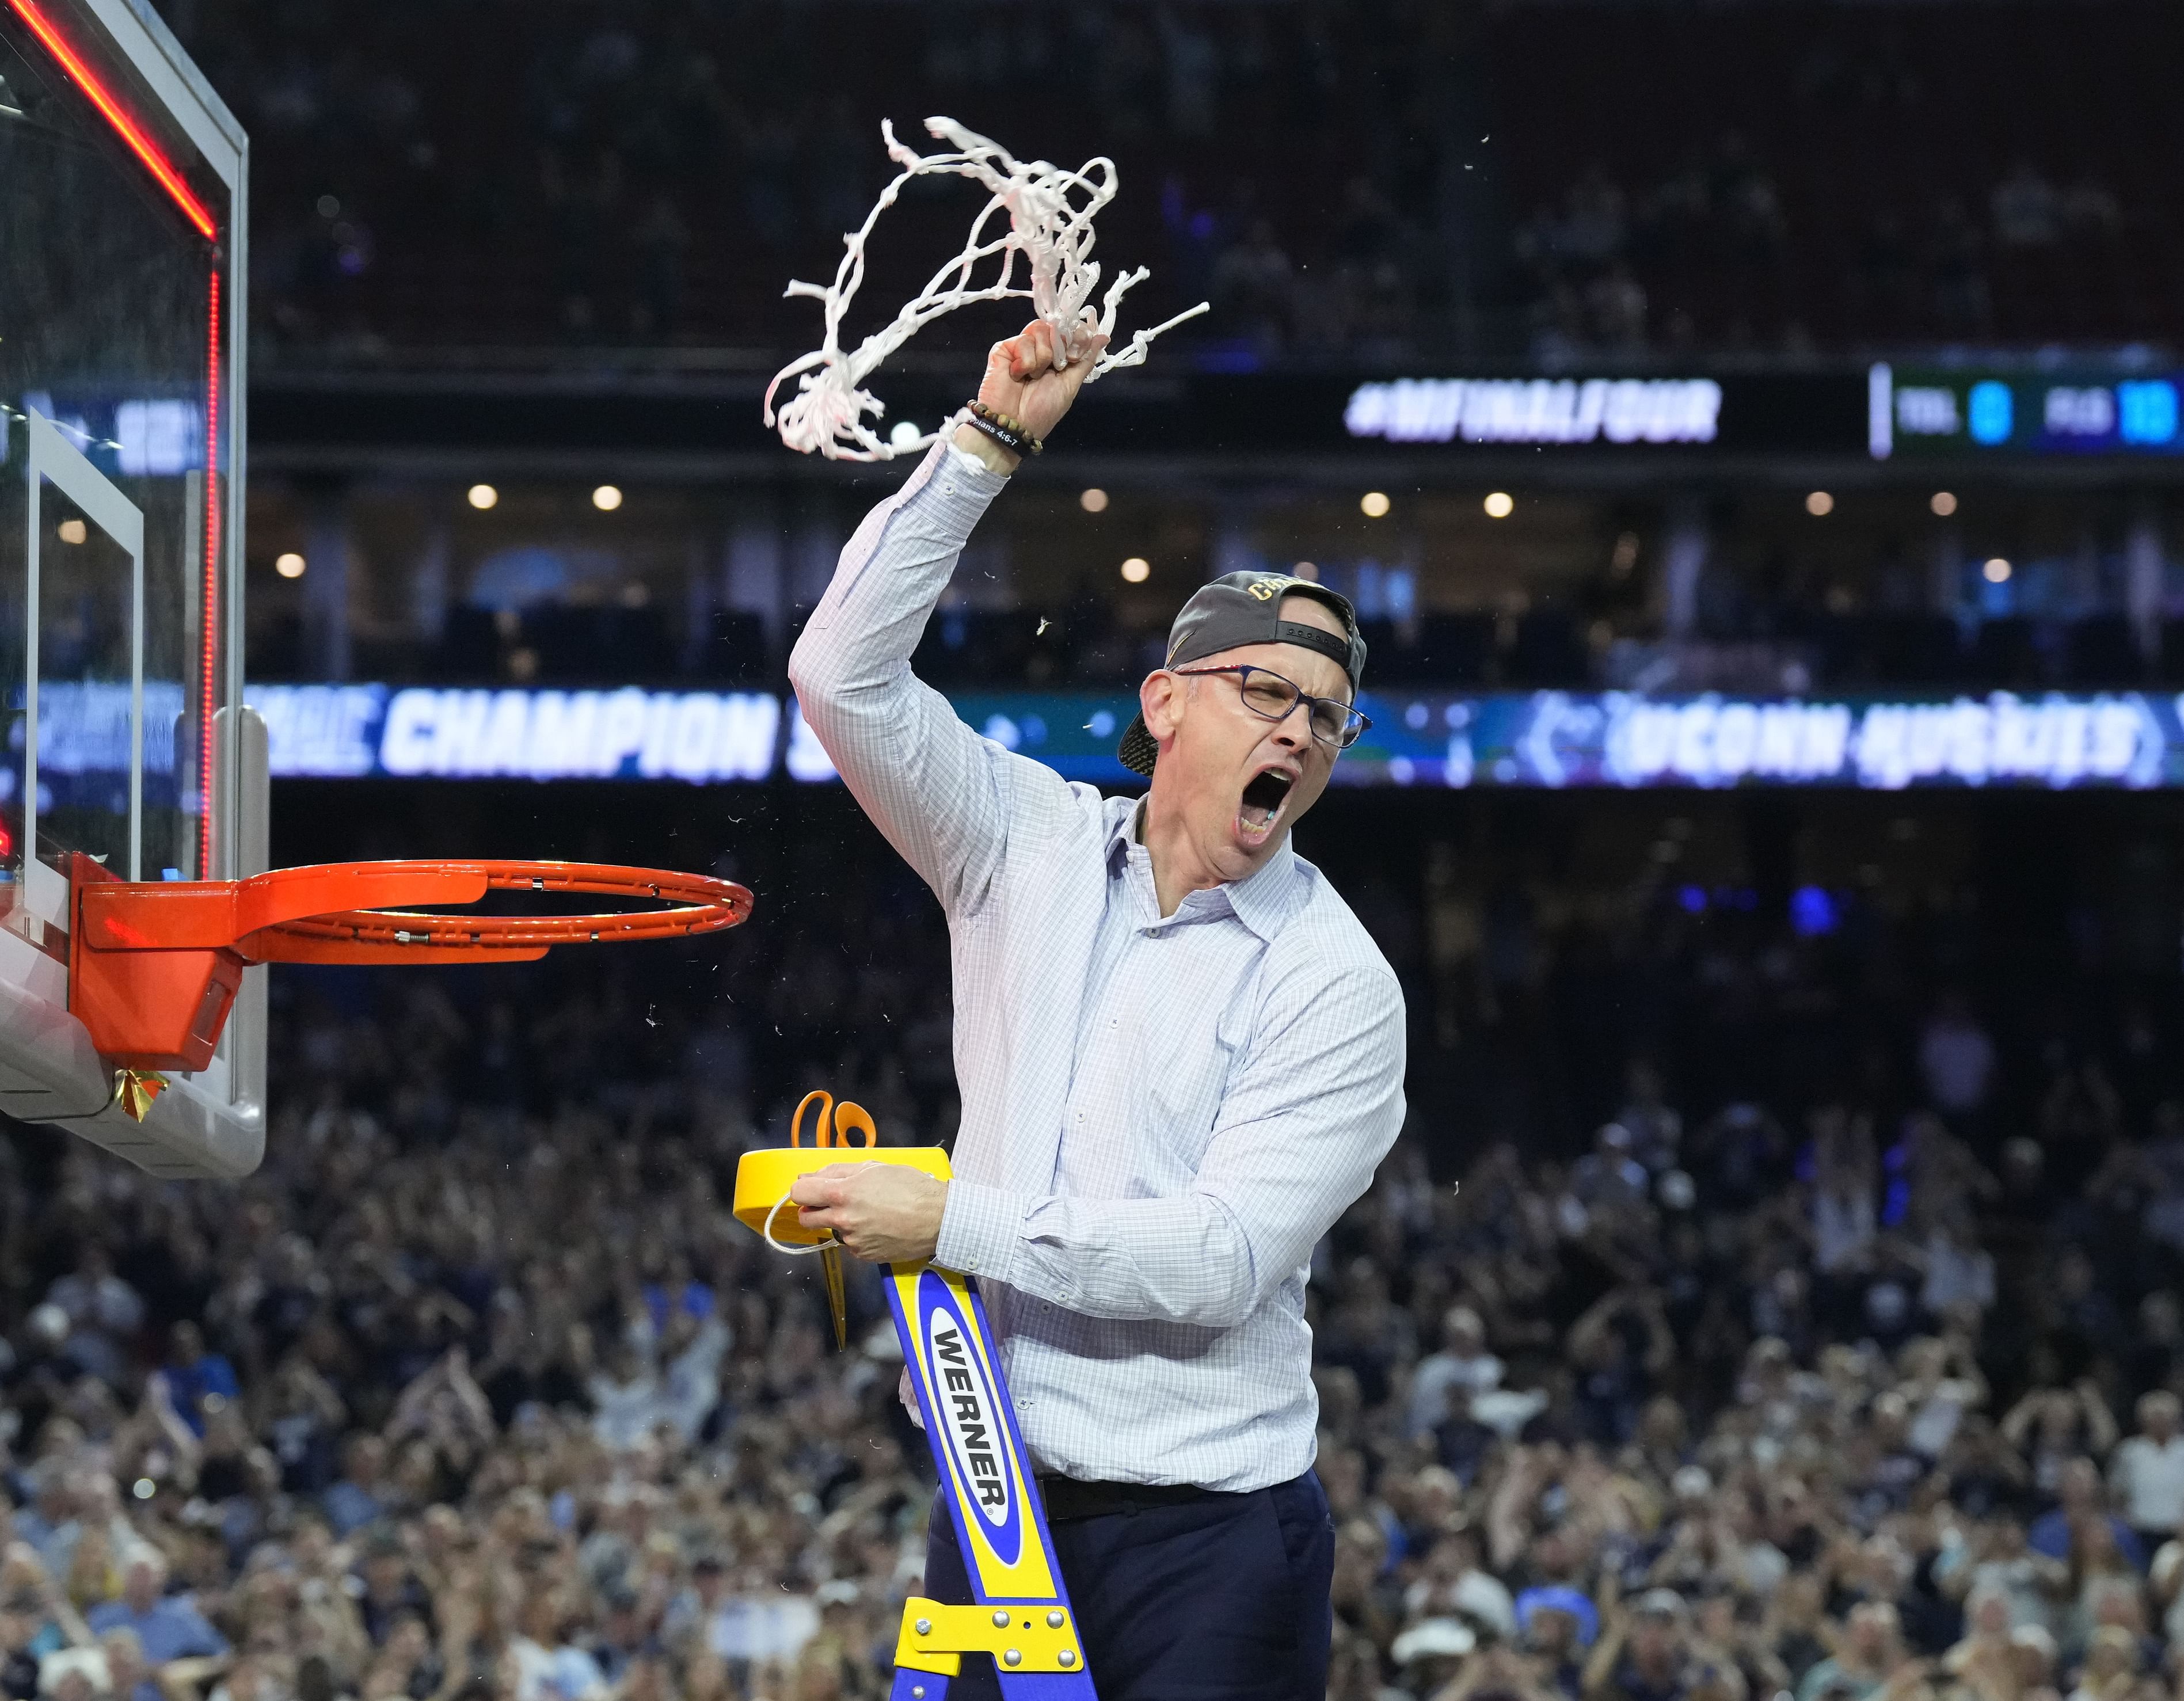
(122, 738)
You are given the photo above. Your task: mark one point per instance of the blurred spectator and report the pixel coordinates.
(1871, 1650)
(200, 1383)
(360, 1496)
(549, 1666)
(165, 1626)
(130, 1676)
(1462, 1361)
(2166, 1585)
(2112, 1665)
(2081, 1523)
(103, 1313)
(2146, 1473)
(1618, 1347)
(1609, 1174)
(1644, 1652)
(1958, 1273)
(1956, 1058)
(1558, 1626)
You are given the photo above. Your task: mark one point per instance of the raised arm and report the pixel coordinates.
(1509, 1509)
(2100, 1422)
(2017, 1422)
(1598, 1678)
(933, 786)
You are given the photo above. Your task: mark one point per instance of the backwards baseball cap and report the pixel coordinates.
(1245, 608)
(1560, 1598)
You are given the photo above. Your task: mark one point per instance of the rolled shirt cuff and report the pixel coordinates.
(978, 1229)
(958, 489)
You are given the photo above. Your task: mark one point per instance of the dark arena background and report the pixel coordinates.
(1750, 434)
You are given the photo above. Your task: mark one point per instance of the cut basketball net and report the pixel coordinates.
(1050, 211)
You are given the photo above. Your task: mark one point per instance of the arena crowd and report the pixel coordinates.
(1372, 183)
(1863, 1392)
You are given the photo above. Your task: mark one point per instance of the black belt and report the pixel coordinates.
(1067, 1499)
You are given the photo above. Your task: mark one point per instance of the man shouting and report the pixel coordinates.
(1180, 1058)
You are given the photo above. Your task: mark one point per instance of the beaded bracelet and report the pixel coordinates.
(1005, 429)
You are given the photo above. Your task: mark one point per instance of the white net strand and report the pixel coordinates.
(1050, 211)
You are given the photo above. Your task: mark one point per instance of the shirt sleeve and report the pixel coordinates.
(199, 1638)
(1318, 1102)
(932, 785)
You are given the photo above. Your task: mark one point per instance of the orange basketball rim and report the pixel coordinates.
(154, 966)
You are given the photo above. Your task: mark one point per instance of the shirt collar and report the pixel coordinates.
(1263, 900)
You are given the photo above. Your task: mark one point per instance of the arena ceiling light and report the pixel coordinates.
(1094, 501)
(1500, 505)
(1944, 503)
(1819, 505)
(289, 566)
(1374, 505)
(73, 532)
(1997, 571)
(483, 496)
(1137, 570)
(607, 498)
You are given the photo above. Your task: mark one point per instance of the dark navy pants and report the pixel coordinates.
(1221, 1599)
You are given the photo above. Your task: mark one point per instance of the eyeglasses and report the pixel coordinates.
(1271, 698)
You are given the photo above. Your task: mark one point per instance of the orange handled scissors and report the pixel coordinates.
(835, 1124)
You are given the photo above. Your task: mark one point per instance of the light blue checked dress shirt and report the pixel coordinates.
(1160, 1116)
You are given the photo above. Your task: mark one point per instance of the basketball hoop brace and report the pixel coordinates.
(1021, 1614)
(154, 966)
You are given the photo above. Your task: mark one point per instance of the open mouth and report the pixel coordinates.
(1263, 799)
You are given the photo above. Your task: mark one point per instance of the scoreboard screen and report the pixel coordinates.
(1921, 411)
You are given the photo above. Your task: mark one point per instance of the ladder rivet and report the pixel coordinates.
(925, 1626)
(1013, 1657)
(1053, 1619)
(1068, 1657)
(1001, 1621)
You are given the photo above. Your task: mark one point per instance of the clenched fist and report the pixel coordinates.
(1023, 379)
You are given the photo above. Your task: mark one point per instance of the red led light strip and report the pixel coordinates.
(195, 211)
(208, 635)
(124, 126)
